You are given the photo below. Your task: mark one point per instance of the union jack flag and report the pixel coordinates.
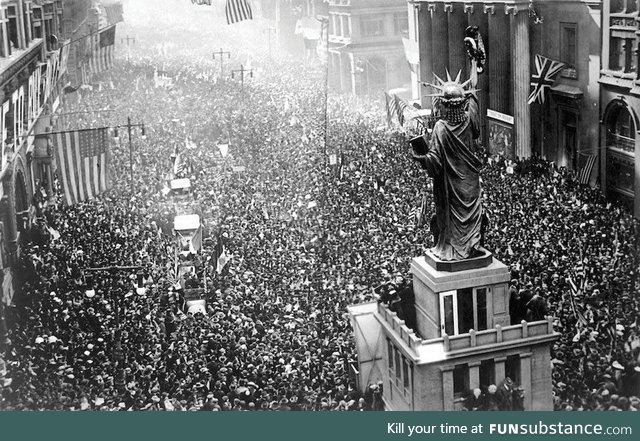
(544, 77)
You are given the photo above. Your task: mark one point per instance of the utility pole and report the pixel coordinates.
(242, 71)
(221, 55)
(129, 126)
(127, 40)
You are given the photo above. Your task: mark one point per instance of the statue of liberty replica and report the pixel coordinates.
(449, 160)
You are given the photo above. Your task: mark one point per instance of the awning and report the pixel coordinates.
(567, 91)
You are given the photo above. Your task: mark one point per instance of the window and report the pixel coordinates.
(568, 49)
(463, 310)
(481, 309)
(487, 373)
(460, 380)
(36, 22)
(401, 24)
(12, 28)
(624, 6)
(621, 130)
(4, 40)
(448, 313)
(512, 368)
(345, 24)
(390, 354)
(337, 26)
(372, 26)
(621, 54)
(26, 20)
(405, 374)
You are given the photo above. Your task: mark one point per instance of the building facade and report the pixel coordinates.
(284, 19)
(30, 32)
(366, 54)
(563, 127)
(620, 102)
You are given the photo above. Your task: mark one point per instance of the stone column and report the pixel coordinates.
(521, 80)
(499, 60)
(474, 375)
(353, 74)
(500, 369)
(525, 379)
(447, 388)
(476, 17)
(440, 39)
(425, 46)
(457, 53)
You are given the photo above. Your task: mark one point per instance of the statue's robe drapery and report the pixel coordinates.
(456, 186)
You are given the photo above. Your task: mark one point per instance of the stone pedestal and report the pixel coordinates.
(429, 282)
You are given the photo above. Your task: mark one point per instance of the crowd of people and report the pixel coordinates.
(315, 204)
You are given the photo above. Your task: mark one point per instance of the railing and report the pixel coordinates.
(472, 339)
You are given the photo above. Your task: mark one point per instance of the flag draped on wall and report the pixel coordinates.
(544, 77)
(237, 10)
(83, 163)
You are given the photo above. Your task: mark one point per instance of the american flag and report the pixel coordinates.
(83, 163)
(400, 107)
(114, 13)
(102, 46)
(391, 106)
(237, 10)
(544, 77)
(584, 176)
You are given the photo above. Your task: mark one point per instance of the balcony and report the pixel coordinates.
(10, 66)
(437, 349)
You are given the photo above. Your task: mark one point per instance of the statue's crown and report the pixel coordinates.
(451, 93)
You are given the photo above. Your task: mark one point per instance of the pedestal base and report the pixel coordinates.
(429, 283)
(480, 261)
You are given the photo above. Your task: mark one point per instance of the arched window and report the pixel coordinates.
(621, 129)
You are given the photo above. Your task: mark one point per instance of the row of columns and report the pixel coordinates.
(504, 87)
(500, 373)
